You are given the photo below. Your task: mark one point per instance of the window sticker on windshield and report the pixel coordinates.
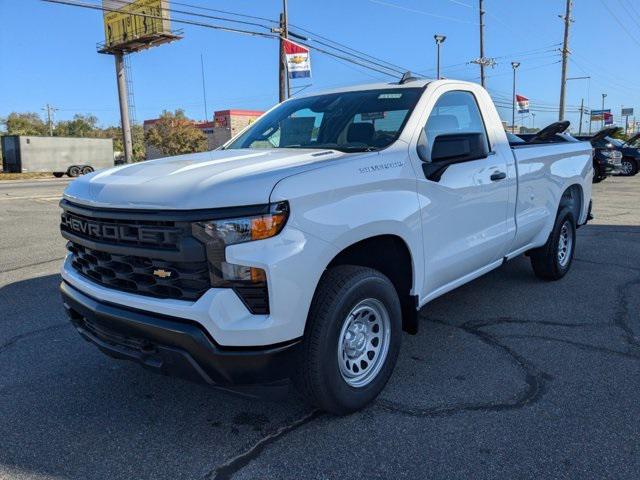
(389, 95)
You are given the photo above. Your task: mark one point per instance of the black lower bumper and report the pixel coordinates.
(175, 347)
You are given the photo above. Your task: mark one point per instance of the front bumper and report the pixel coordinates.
(176, 347)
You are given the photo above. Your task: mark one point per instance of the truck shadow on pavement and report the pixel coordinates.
(489, 346)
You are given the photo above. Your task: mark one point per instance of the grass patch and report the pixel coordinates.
(25, 176)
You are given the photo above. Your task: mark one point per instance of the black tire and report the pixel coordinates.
(318, 377)
(74, 171)
(86, 169)
(58, 174)
(630, 167)
(546, 260)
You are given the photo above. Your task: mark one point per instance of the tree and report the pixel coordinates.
(175, 134)
(137, 136)
(28, 123)
(80, 126)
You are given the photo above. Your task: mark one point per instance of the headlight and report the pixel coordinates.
(239, 230)
(607, 154)
(216, 235)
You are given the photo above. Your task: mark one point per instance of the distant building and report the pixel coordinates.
(225, 125)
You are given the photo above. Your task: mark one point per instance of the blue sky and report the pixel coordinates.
(48, 54)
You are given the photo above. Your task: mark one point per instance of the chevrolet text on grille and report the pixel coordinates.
(108, 231)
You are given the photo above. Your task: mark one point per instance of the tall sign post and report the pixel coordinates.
(131, 26)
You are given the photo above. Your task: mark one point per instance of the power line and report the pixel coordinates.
(222, 28)
(619, 22)
(421, 12)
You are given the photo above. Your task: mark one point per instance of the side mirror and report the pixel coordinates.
(454, 148)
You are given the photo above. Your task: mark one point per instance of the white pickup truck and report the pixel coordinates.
(303, 248)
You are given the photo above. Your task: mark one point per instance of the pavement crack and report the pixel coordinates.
(235, 464)
(17, 338)
(622, 315)
(535, 379)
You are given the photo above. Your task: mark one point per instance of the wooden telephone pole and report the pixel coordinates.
(565, 58)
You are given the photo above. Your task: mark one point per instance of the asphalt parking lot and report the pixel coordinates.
(509, 377)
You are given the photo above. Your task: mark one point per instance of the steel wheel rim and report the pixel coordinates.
(626, 168)
(363, 343)
(565, 244)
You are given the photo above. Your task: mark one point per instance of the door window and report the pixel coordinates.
(455, 112)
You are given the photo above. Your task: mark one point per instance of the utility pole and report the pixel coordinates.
(533, 120)
(439, 40)
(514, 65)
(481, 42)
(50, 111)
(604, 95)
(125, 123)
(581, 112)
(282, 70)
(565, 57)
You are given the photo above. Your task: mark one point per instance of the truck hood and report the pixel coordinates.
(219, 178)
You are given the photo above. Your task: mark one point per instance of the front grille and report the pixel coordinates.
(141, 275)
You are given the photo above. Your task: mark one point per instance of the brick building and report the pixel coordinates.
(226, 124)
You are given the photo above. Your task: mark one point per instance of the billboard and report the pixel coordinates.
(298, 59)
(599, 115)
(627, 112)
(134, 25)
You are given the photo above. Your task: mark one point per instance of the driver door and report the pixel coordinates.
(464, 213)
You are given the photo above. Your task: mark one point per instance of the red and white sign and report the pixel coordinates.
(523, 104)
(298, 59)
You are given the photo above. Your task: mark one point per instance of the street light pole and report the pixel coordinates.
(439, 40)
(602, 122)
(533, 120)
(514, 65)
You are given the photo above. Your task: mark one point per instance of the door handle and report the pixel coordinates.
(498, 176)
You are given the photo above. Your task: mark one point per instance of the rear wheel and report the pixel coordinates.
(352, 339)
(553, 260)
(87, 169)
(629, 167)
(74, 171)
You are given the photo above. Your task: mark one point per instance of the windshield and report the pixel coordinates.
(363, 120)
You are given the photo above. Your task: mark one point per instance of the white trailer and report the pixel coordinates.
(59, 155)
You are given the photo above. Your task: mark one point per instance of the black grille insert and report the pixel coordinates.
(144, 276)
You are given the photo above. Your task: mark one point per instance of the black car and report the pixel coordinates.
(630, 151)
(607, 158)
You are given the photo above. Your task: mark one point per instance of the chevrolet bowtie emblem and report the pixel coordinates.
(162, 273)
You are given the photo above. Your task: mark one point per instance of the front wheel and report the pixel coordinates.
(352, 340)
(553, 260)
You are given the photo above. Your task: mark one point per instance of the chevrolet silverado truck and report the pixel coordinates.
(302, 249)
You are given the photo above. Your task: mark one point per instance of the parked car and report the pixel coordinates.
(630, 162)
(305, 245)
(607, 158)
